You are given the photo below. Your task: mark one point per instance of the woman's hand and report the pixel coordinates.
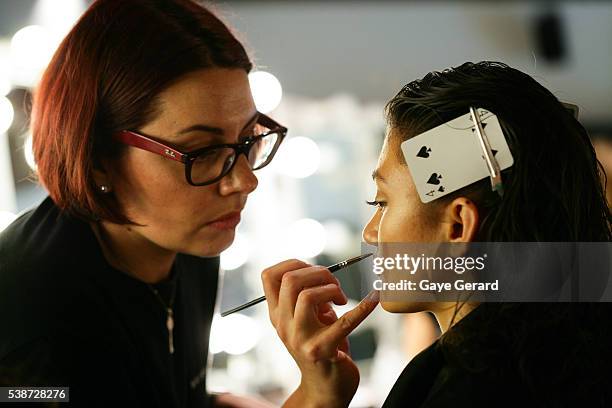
(299, 299)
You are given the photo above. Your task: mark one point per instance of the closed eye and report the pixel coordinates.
(378, 204)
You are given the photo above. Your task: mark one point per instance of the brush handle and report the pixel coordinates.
(332, 269)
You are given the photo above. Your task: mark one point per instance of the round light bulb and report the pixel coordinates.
(299, 157)
(7, 114)
(236, 255)
(266, 89)
(307, 238)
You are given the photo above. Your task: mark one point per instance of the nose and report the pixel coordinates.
(240, 180)
(370, 232)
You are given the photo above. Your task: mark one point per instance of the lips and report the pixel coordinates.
(228, 221)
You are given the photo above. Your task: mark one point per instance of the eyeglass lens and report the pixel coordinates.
(213, 163)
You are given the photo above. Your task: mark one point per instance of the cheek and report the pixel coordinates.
(171, 211)
(405, 224)
(398, 225)
(154, 191)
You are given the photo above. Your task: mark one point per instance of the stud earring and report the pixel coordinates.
(104, 189)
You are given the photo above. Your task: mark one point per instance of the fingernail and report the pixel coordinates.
(373, 296)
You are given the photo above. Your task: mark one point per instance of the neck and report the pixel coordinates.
(450, 313)
(133, 254)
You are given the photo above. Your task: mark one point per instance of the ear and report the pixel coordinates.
(462, 221)
(100, 174)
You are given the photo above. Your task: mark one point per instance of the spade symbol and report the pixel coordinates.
(434, 179)
(441, 189)
(492, 151)
(484, 125)
(424, 152)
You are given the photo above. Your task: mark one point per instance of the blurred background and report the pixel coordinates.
(325, 70)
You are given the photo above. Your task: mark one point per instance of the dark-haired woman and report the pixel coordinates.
(491, 354)
(146, 137)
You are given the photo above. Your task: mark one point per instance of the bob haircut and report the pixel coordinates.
(105, 77)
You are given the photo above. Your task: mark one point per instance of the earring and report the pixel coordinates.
(105, 189)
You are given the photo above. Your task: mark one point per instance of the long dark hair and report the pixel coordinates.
(554, 192)
(106, 76)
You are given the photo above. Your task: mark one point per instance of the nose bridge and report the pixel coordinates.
(241, 176)
(241, 166)
(244, 149)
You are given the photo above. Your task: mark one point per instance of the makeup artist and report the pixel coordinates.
(146, 137)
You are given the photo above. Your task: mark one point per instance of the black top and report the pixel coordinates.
(70, 319)
(566, 364)
(429, 380)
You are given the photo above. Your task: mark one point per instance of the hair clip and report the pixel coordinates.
(492, 164)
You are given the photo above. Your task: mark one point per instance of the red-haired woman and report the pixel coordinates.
(146, 137)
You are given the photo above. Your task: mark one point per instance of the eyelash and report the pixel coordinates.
(379, 204)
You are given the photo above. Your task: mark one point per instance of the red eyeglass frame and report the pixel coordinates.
(137, 140)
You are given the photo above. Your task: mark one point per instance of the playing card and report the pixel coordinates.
(449, 157)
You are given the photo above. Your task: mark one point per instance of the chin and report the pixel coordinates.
(211, 246)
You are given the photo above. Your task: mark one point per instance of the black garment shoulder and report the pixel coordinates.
(545, 355)
(71, 319)
(431, 381)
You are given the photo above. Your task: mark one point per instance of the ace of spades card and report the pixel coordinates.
(449, 157)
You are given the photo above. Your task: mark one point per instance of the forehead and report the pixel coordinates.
(392, 167)
(214, 95)
(391, 152)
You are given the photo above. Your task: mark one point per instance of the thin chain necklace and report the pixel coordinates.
(169, 308)
(169, 314)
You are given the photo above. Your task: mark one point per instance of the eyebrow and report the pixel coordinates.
(376, 176)
(215, 130)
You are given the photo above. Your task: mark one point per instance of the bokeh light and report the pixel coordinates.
(266, 89)
(339, 237)
(5, 84)
(228, 334)
(58, 20)
(237, 254)
(299, 157)
(28, 153)
(7, 114)
(31, 50)
(307, 238)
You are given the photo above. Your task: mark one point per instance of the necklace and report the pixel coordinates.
(169, 314)
(169, 308)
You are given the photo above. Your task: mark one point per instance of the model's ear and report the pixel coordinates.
(461, 221)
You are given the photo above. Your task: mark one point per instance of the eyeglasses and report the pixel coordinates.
(209, 164)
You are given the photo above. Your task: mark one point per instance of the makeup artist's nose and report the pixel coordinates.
(370, 232)
(240, 180)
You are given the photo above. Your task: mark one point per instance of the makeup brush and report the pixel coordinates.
(332, 269)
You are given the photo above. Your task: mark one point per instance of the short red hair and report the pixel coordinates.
(105, 77)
